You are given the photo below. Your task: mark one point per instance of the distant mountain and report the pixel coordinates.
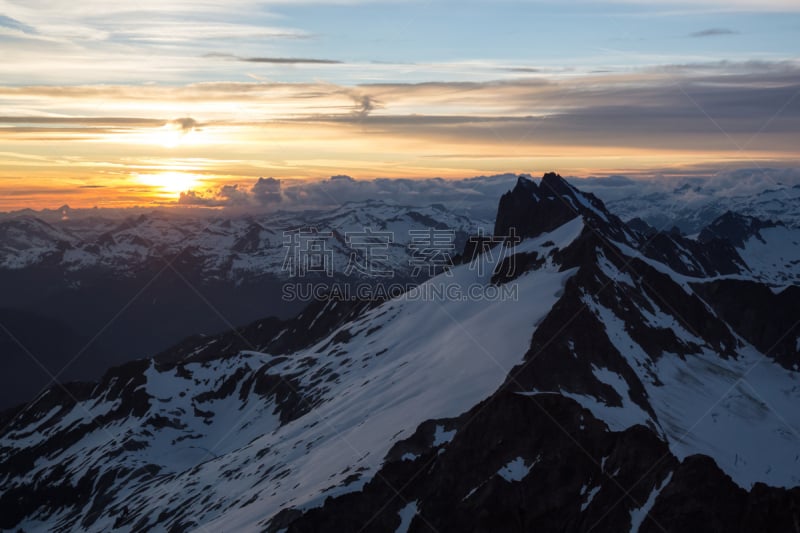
(691, 208)
(228, 248)
(630, 381)
(134, 286)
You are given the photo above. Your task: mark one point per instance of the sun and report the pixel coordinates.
(172, 183)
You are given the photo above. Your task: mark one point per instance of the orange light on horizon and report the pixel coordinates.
(170, 184)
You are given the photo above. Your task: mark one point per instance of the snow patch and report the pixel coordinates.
(592, 493)
(638, 515)
(443, 437)
(407, 514)
(515, 470)
(703, 401)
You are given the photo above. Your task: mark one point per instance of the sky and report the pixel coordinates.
(160, 102)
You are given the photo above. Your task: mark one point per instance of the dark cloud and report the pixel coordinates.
(267, 191)
(277, 60)
(713, 32)
(198, 199)
(720, 107)
(364, 105)
(524, 70)
(185, 124)
(232, 194)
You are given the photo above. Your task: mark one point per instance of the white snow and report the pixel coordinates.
(515, 470)
(589, 497)
(442, 437)
(617, 418)
(120, 246)
(436, 360)
(407, 514)
(775, 257)
(638, 515)
(704, 401)
(561, 237)
(586, 203)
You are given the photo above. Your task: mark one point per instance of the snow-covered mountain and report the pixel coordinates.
(626, 381)
(692, 206)
(94, 282)
(228, 248)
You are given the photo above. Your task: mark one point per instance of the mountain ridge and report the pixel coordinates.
(579, 405)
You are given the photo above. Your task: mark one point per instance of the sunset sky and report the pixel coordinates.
(131, 103)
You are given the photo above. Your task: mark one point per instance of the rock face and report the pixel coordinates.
(532, 209)
(734, 228)
(634, 381)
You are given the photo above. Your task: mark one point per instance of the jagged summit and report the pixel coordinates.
(532, 209)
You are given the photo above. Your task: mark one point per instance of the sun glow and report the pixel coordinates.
(175, 133)
(172, 183)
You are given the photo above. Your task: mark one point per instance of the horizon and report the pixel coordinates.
(338, 191)
(173, 103)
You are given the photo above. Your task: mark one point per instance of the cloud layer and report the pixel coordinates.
(476, 195)
(479, 195)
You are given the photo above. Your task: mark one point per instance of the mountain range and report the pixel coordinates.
(106, 290)
(692, 204)
(633, 380)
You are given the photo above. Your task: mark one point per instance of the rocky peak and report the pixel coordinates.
(734, 228)
(532, 209)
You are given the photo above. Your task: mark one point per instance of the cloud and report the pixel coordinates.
(14, 24)
(476, 196)
(79, 120)
(175, 130)
(703, 185)
(184, 125)
(155, 32)
(267, 190)
(713, 32)
(648, 118)
(365, 104)
(194, 198)
(766, 6)
(277, 60)
(524, 70)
